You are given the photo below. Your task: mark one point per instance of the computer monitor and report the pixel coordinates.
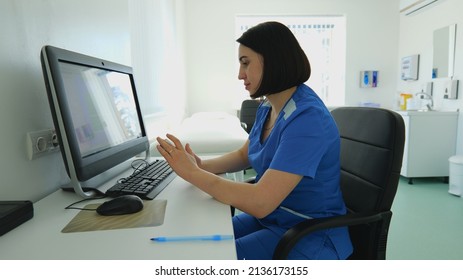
(96, 114)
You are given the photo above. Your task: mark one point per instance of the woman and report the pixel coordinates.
(293, 147)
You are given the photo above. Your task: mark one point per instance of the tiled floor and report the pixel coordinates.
(427, 222)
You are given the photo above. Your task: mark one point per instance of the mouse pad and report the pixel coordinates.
(151, 215)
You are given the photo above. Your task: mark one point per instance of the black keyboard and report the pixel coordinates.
(146, 183)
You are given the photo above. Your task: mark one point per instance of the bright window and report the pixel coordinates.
(323, 38)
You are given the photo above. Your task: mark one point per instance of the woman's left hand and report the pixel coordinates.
(182, 159)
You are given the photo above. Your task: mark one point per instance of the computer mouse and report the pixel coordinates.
(126, 204)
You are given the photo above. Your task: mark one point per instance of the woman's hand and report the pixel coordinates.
(182, 159)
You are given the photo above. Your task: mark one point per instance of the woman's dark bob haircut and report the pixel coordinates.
(285, 63)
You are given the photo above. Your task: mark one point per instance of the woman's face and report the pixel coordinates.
(251, 68)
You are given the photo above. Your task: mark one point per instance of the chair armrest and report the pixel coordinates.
(296, 233)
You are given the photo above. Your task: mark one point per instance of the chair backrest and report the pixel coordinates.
(372, 144)
(248, 113)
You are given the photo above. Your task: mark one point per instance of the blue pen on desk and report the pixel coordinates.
(215, 237)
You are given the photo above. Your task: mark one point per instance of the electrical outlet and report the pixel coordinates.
(41, 142)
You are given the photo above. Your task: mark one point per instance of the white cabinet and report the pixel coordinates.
(430, 139)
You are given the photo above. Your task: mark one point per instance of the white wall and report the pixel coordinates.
(99, 28)
(212, 68)
(416, 37)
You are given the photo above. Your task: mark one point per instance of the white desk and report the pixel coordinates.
(189, 211)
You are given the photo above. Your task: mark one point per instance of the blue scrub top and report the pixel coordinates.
(303, 141)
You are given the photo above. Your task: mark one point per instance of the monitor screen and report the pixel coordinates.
(95, 111)
(103, 109)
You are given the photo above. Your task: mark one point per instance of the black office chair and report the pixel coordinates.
(248, 113)
(372, 144)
